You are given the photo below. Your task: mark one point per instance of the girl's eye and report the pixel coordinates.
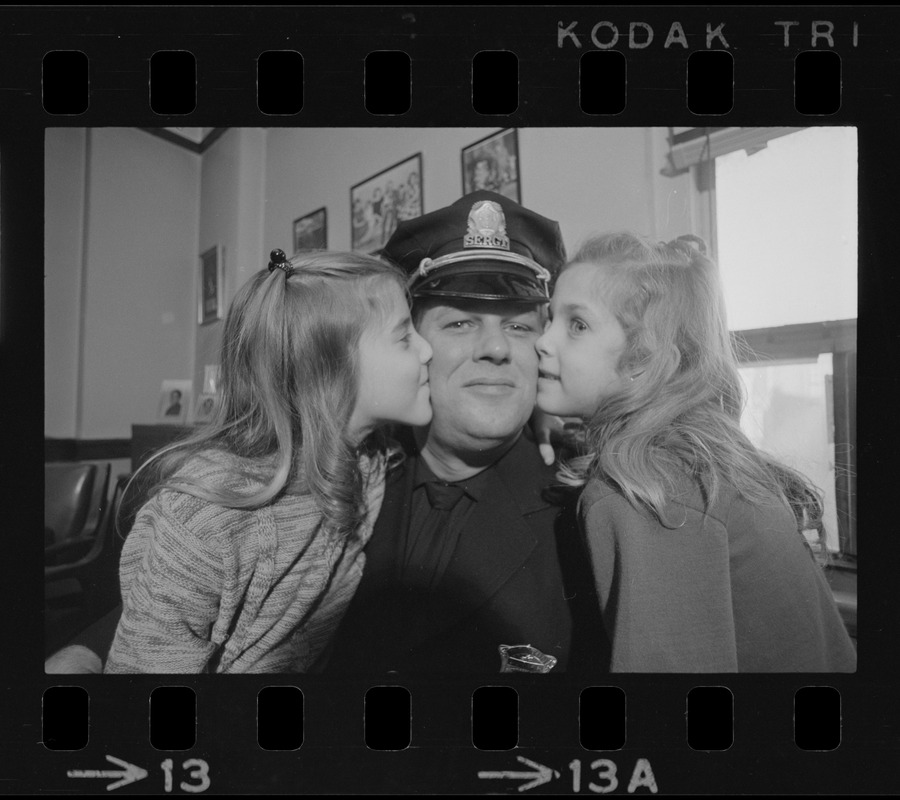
(577, 326)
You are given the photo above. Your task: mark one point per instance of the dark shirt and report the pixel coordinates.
(439, 512)
(512, 571)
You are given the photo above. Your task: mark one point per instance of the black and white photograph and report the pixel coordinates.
(175, 398)
(725, 455)
(205, 407)
(470, 482)
(379, 203)
(311, 231)
(492, 163)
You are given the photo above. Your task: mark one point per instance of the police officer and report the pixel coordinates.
(473, 565)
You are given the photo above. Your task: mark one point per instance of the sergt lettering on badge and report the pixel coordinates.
(486, 226)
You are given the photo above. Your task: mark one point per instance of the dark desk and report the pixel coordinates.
(147, 439)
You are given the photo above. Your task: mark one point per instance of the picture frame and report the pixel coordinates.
(493, 163)
(205, 407)
(311, 231)
(378, 203)
(174, 401)
(211, 291)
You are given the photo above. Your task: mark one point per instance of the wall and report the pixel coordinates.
(127, 215)
(231, 214)
(120, 305)
(64, 190)
(590, 179)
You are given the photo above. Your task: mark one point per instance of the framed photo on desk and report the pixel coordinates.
(174, 401)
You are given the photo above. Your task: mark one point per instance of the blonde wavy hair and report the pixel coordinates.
(680, 412)
(289, 372)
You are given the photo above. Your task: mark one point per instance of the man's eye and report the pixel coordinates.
(458, 323)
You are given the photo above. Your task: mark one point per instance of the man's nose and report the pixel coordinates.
(493, 346)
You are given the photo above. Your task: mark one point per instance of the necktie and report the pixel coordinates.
(432, 545)
(443, 496)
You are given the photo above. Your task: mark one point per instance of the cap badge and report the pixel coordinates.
(487, 226)
(525, 658)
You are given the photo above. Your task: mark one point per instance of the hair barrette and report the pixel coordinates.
(278, 260)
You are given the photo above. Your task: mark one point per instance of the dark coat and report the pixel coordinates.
(522, 578)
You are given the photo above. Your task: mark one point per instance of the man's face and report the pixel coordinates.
(483, 372)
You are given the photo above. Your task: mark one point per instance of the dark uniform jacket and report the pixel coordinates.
(519, 576)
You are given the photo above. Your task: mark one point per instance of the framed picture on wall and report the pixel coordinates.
(311, 231)
(493, 163)
(380, 202)
(174, 402)
(209, 306)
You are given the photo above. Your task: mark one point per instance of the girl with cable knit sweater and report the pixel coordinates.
(250, 547)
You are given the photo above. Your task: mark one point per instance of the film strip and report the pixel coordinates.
(412, 69)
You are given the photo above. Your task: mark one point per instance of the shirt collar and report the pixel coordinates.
(474, 486)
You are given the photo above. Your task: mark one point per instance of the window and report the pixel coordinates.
(782, 219)
(789, 412)
(786, 239)
(786, 229)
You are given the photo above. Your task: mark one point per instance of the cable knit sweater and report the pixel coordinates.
(212, 589)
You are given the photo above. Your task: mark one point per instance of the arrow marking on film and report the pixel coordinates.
(541, 774)
(129, 773)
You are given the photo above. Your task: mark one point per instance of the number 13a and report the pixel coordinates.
(199, 771)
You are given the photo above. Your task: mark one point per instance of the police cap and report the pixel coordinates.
(484, 246)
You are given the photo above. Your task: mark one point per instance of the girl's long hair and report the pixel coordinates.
(289, 375)
(679, 408)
